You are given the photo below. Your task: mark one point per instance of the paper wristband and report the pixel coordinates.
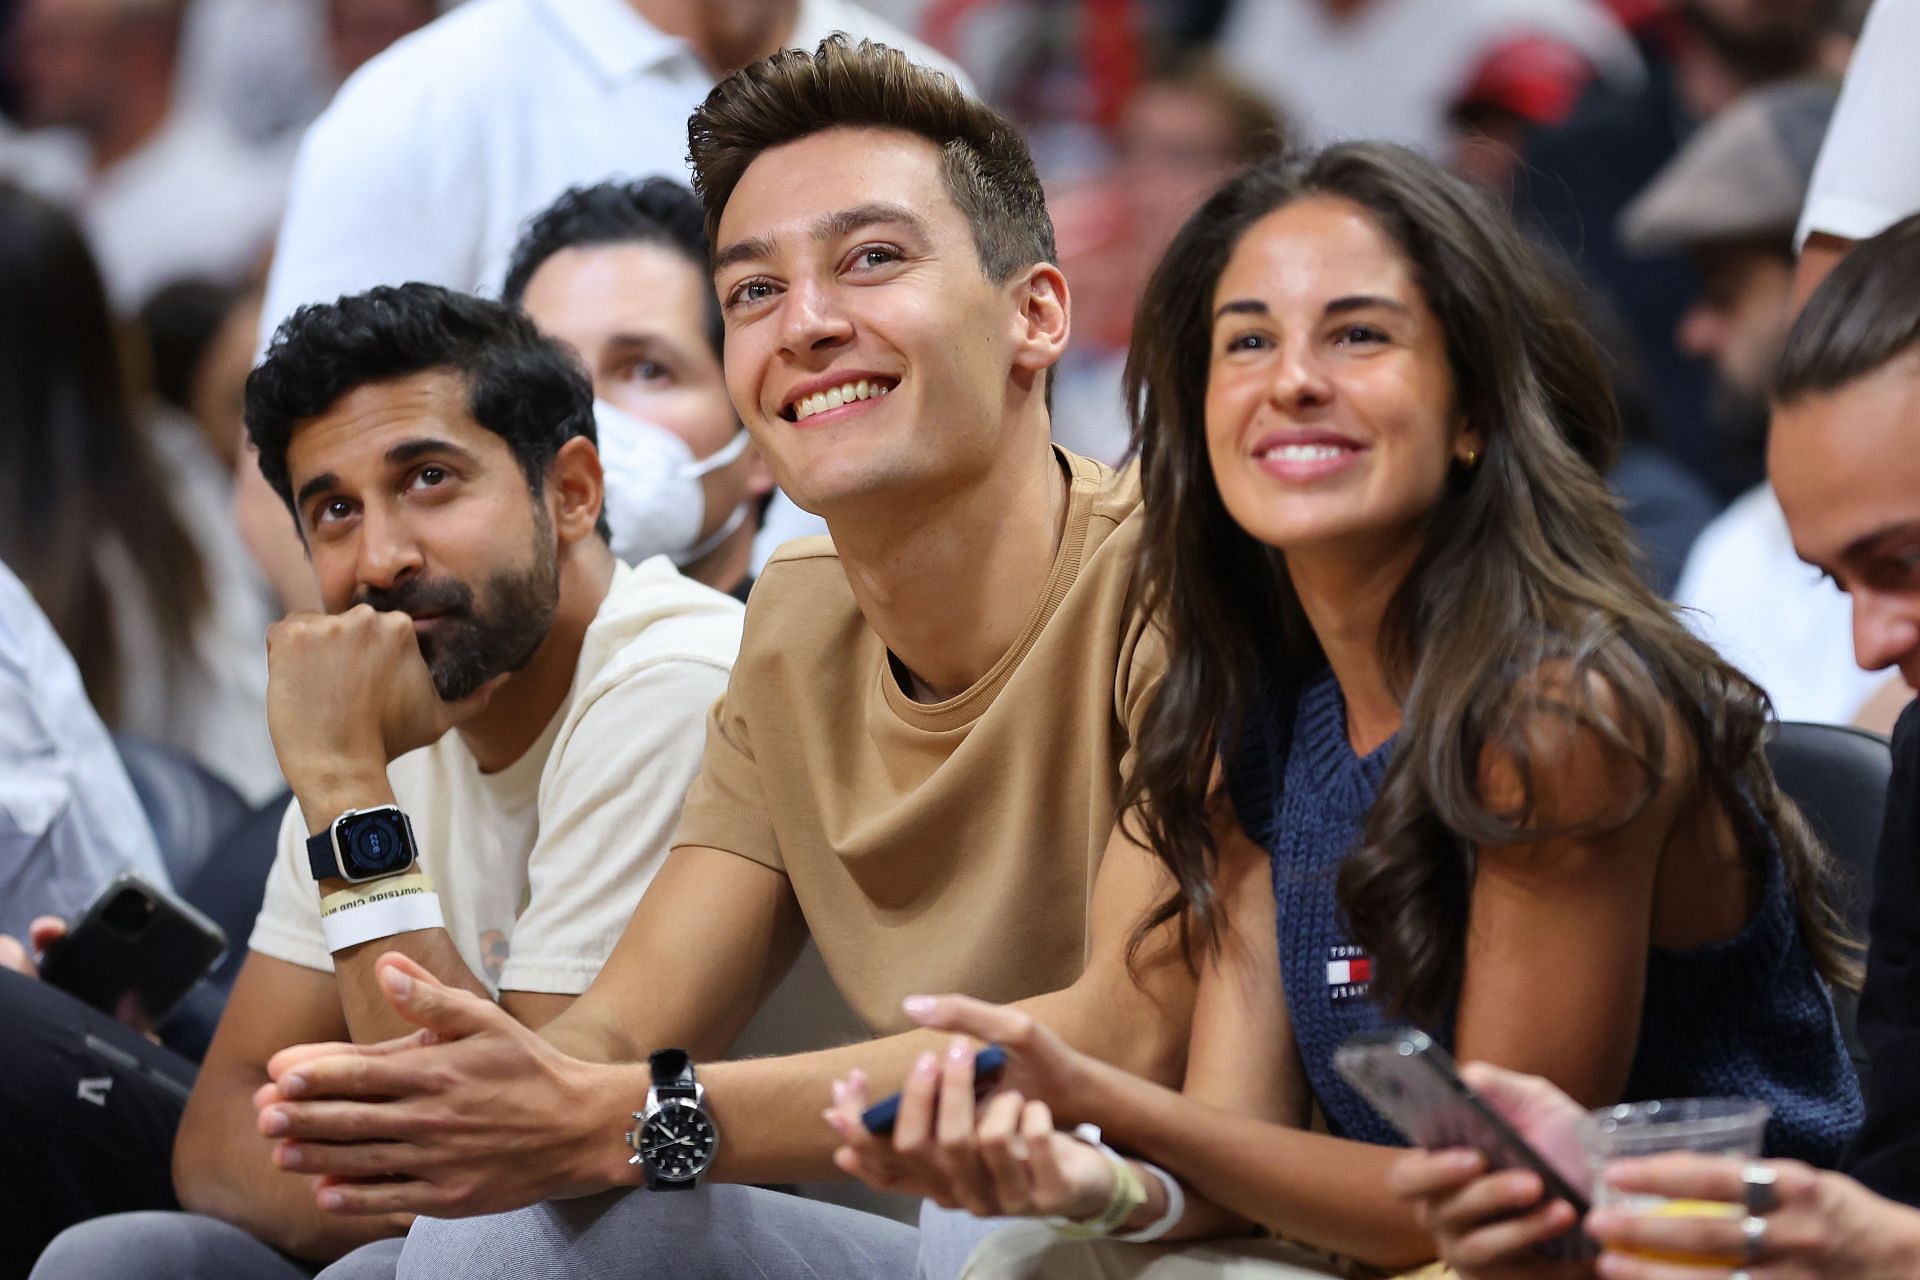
(341, 899)
(380, 913)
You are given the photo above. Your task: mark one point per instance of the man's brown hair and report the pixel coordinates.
(795, 94)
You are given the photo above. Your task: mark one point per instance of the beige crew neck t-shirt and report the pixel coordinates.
(540, 864)
(935, 847)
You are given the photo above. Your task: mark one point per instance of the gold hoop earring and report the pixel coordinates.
(1472, 459)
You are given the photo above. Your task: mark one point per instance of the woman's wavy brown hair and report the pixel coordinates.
(1525, 565)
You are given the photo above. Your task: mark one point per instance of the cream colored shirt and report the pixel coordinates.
(539, 865)
(935, 847)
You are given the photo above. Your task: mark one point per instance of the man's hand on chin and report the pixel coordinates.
(471, 1114)
(347, 694)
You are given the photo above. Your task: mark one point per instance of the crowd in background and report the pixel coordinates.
(178, 176)
(168, 132)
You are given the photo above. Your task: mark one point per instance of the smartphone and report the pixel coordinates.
(136, 952)
(988, 1064)
(1413, 1082)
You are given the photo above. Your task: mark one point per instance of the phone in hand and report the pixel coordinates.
(1413, 1083)
(988, 1066)
(136, 952)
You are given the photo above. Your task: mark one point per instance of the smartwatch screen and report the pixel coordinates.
(375, 844)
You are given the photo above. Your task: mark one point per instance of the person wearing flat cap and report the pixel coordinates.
(1730, 200)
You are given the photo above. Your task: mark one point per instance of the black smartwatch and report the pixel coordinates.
(362, 845)
(674, 1139)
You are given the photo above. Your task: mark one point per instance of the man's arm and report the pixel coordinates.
(222, 1166)
(493, 1118)
(1134, 1017)
(346, 695)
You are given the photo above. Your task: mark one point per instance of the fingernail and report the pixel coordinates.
(925, 1064)
(273, 1123)
(918, 1006)
(329, 1199)
(398, 982)
(958, 1050)
(293, 1086)
(290, 1156)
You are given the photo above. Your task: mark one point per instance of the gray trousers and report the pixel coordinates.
(714, 1233)
(717, 1231)
(163, 1246)
(1029, 1251)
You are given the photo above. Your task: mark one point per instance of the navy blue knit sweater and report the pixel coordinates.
(1748, 1017)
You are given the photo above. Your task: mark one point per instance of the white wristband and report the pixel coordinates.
(381, 915)
(1176, 1208)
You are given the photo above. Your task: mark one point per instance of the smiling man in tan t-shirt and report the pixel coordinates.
(919, 759)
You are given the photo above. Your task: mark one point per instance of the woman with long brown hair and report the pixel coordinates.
(1425, 751)
(144, 582)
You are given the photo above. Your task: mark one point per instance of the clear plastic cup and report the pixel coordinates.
(1705, 1126)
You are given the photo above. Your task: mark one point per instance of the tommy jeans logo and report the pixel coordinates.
(1349, 973)
(94, 1089)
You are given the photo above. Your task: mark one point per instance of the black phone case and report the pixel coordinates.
(144, 970)
(1413, 1083)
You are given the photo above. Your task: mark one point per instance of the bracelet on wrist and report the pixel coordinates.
(1128, 1196)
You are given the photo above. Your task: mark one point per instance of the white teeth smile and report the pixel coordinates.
(1304, 452)
(833, 398)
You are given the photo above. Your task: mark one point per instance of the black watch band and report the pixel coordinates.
(672, 1072)
(321, 859)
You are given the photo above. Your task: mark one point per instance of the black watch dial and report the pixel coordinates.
(375, 844)
(677, 1141)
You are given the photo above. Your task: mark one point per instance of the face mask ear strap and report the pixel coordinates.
(712, 541)
(723, 456)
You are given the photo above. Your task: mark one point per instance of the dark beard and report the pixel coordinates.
(473, 644)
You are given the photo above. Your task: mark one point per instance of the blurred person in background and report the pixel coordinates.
(425, 165)
(618, 272)
(164, 191)
(1729, 201)
(1865, 181)
(1579, 176)
(201, 339)
(1391, 69)
(268, 67)
(1183, 131)
(142, 579)
(1844, 457)
(1525, 85)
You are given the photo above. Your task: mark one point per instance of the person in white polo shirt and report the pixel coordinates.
(433, 154)
(489, 735)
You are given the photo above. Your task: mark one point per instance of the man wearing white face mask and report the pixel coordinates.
(618, 272)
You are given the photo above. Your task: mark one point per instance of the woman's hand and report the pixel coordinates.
(1822, 1226)
(1488, 1225)
(1001, 1156)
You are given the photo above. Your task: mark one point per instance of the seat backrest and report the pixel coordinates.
(1838, 775)
(189, 809)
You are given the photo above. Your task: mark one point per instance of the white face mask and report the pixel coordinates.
(654, 503)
